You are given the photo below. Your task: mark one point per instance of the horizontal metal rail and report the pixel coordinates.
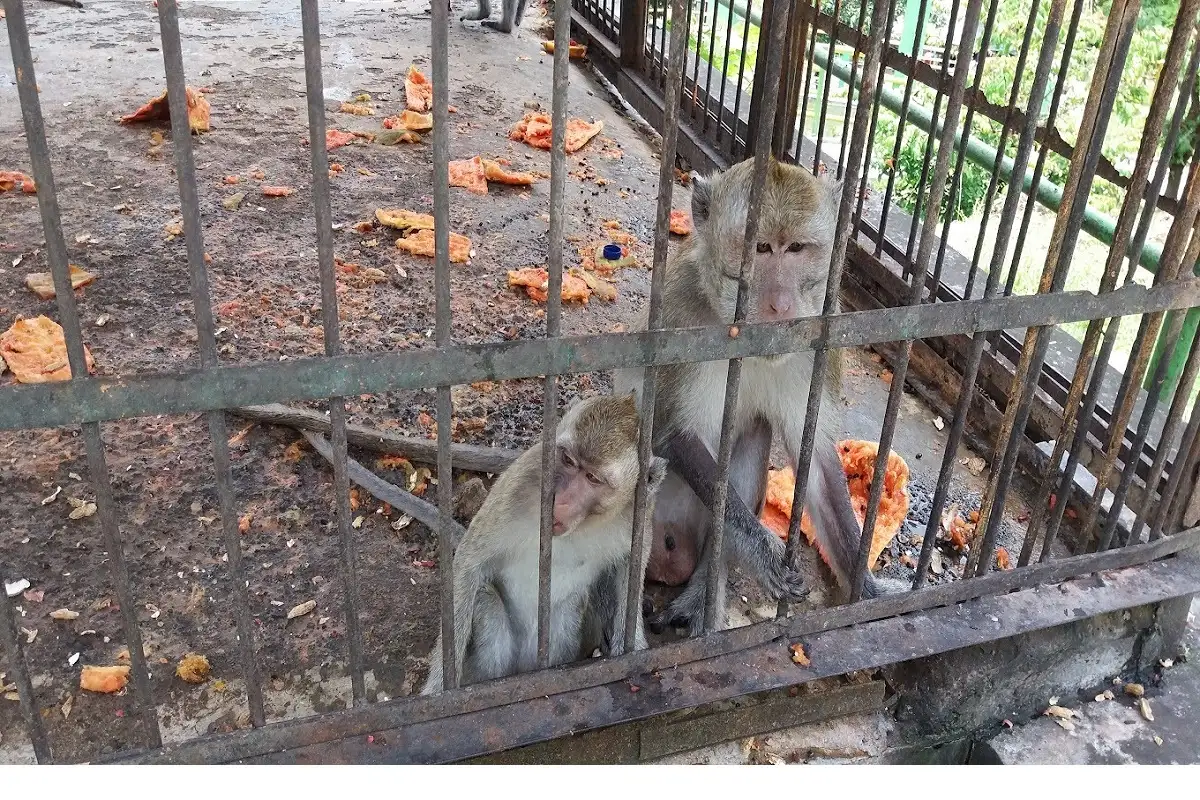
(521, 707)
(101, 399)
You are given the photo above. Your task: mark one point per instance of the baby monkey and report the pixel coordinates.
(514, 11)
(496, 563)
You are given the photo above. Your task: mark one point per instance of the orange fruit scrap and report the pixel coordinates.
(536, 281)
(421, 243)
(534, 130)
(418, 91)
(277, 191)
(410, 120)
(42, 283)
(404, 220)
(858, 462)
(494, 171)
(106, 680)
(36, 351)
(574, 50)
(469, 174)
(357, 109)
(199, 111)
(681, 222)
(11, 180)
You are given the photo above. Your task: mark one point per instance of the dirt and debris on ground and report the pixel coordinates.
(122, 223)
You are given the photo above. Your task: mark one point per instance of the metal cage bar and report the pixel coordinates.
(319, 157)
(56, 252)
(185, 168)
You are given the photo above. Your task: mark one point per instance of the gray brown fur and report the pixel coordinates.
(514, 11)
(799, 210)
(496, 565)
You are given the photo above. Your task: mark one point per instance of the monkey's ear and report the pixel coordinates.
(658, 471)
(701, 197)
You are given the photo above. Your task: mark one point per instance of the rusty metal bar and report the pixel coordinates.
(440, 57)
(599, 672)
(808, 67)
(724, 81)
(56, 254)
(1156, 116)
(881, 18)
(311, 24)
(961, 161)
(1066, 481)
(922, 9)
(714, 600)
(14, 656)
(558, 169)
(1012, 200)
(937, 108)
(862, 20)
(1068, 224)
(1174, 420)
(234, 386)
(1051, 117)
(666, 184)
(1171, 337)
(185, 169)
(917, 286)
(1148, 329)
(696, 61)
(1174, 500)
(870, 143)
(825, 89)
(712, 44)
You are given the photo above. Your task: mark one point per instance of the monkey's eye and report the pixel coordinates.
(763, 247)
(566, 459)
(593, 479)
(795, 247)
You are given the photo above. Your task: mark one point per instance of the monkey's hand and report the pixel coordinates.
(498, 25)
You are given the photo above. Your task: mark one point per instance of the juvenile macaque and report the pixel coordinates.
(787, 280)
(496, 563)
(514, 11)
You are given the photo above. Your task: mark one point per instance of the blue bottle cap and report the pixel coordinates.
(612, 251)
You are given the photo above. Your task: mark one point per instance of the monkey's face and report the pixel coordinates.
(789, 263)
(582, 489)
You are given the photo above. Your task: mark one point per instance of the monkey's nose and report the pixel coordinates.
(780, 303)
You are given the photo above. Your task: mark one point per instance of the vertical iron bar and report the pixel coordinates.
(712, 43)
(1105, 81)
(738, 93)
(916, 289)
(714, 598)
(1168, 270)
(319, 157)
(909, 81)
(185, 169)
(666, 182)
(1174, 420)
(696, 61)
(562, 37)
(440, 57)
(925, 159)
(10, 646)
(862, 19)
(1171, 338)
(961, 160)
(870, 144)
(56, 254)
(873, 73)
(1173, 498)
(1012, 200)
(725, 75)
(809, 66)
(817, 157)
(1155, 117)
(1066, 480)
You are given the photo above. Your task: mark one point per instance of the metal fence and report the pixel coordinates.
(703, 114)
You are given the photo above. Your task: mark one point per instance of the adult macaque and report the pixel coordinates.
(496, 563)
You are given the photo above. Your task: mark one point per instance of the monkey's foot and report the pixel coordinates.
(473, 16)
(497, 26)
